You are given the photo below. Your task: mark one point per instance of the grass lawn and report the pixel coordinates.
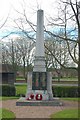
(70, 79)
(20, 78)
(8, 98)
(67, 113)
(4, 113)
(66, 79)
(21, 89)
(71, 99)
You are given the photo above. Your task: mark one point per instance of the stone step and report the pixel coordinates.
(53, 102)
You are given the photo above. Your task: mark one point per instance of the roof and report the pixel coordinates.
(5, 68)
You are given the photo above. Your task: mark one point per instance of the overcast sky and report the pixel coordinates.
(9, 7)
(31, 6)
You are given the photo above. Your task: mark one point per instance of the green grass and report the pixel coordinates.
(0, 113)
(71, 99)
(0, 97)
(21, 89)
(20, 78)
(8, 98)
(70, 79)
(4, 113)
(67, 113)
(66, 79)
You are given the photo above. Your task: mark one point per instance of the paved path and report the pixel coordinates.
(36, 111)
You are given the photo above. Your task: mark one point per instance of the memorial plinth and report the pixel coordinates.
(39, 89)
(23, 102)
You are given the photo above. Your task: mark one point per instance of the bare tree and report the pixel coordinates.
(57, 55)
(25, 47)
(70, 14)
(19, 52)
(4, 22)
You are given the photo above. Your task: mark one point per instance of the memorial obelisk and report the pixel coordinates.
(39, 63)
(39, 76)
(39, 83)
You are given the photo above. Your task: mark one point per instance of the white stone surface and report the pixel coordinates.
(39, 62)
(29, 82)
(40, 34)
(49, 85)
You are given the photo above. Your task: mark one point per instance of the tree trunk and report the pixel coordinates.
(79, 61)
(24, 66)
(58, 77)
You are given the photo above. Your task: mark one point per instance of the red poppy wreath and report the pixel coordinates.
(38, 97)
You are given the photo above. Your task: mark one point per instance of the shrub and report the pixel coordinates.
(8, 90)
(65, 91)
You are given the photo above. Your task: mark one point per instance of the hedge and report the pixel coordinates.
(65, 91)
(8, 90)
(58, 91)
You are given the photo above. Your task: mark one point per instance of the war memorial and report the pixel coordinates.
(39, 84)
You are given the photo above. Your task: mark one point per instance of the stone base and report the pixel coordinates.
(45, 91)
(23, 102)
(45, 95)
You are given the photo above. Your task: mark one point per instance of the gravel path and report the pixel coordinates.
(36, 111)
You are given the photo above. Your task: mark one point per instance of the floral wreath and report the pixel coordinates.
(37, 97)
